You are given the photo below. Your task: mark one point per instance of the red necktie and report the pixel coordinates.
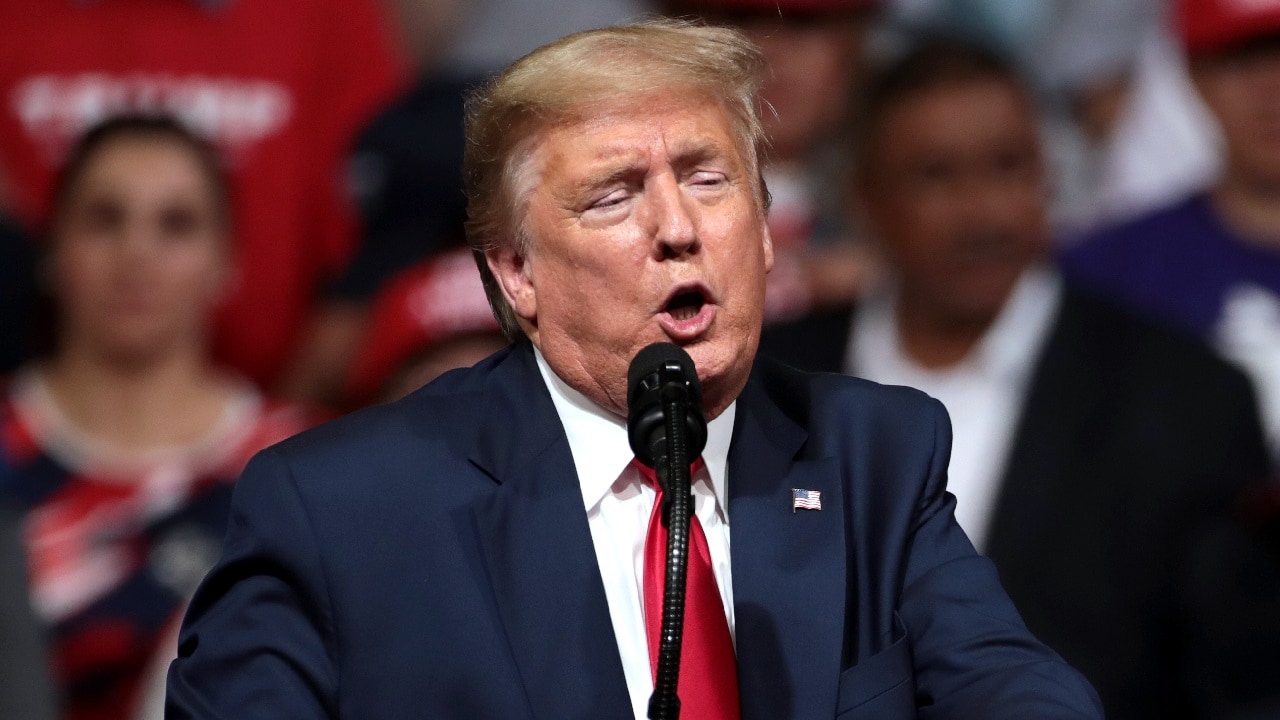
(708, 685)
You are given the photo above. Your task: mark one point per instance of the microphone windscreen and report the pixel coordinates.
(654, 370)
(653, 358)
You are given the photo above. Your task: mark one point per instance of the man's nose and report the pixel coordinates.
(135, 239)
(676, 231)
(988, 202)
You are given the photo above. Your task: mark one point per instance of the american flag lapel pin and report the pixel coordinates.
(805, 500)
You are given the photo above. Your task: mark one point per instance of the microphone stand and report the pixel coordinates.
(673, 475)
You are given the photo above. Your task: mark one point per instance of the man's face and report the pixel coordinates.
(1242, 89)
(953, 188)
(643, 225)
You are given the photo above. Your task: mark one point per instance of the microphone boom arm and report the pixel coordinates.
(667, 431)
(673, 474)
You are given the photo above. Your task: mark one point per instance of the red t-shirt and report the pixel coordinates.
(281, 86)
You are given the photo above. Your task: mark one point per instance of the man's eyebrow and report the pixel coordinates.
(610, 175)
(699, 151)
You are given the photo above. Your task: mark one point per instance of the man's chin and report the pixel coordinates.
(723, 373)
(706, 358)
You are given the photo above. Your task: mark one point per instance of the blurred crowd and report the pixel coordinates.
(222, 221)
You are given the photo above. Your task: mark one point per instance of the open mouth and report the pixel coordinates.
(686, 305)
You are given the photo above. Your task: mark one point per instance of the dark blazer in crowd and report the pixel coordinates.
(432, 558)
(1111, 530)
(26, 690)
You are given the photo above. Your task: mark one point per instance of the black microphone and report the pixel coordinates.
(659, 374)
(667, 431)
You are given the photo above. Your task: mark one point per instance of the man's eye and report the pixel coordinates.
(708, 178)
(102, 216)
(179, 223)
(614, 198)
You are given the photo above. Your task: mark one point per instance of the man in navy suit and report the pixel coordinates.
(476, 550)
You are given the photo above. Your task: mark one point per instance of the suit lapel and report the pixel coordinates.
(1061, 400)
(788, 567)
(539, 553)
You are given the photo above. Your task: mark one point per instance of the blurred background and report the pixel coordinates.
(223, 221)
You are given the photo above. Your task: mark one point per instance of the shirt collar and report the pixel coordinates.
(1007, 350)
(601, 450)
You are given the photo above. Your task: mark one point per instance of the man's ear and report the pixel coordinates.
(767, 239)
(511, 268)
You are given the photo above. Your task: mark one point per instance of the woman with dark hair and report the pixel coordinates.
(121, 444)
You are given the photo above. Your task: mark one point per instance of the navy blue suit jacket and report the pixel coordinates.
(431, 559)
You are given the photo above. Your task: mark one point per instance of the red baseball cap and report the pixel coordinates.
(1208, 26)
(429, 303)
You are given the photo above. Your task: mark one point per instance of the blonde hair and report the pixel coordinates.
(560, 82)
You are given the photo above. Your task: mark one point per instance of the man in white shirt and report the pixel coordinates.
(475, 550)
(1096, 454)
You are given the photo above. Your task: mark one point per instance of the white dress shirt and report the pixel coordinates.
(619, 503)
(983, 393)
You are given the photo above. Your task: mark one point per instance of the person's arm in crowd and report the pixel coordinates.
(26, 690)
(328, 346)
